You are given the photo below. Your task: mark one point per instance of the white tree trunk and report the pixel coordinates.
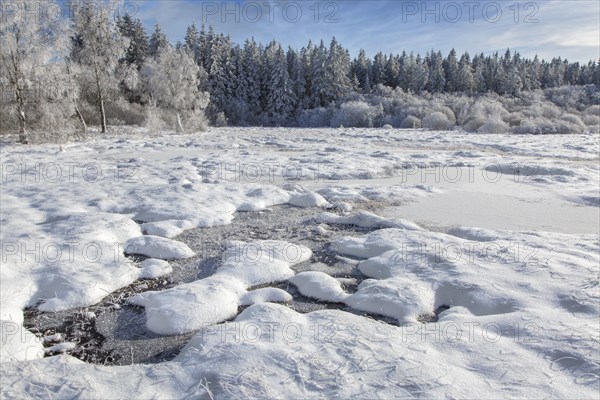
(179, 126)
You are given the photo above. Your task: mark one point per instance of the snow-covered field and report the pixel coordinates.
(387, 263)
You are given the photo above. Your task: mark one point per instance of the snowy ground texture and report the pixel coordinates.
(474, 263)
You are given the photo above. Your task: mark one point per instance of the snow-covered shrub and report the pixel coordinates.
(51, 123)
(122, 112)
(8, 120)
(220, 120)
(437, 122)
(474, 123)
(411, 122)
(237, 112)
(535, 126)
(315, 118)
(447, 112)
(494, 125)
(387, 126)
(116, 122)
(573, 97)
(153, 121)
(565, 127)
(592, 110)
(545, 110)
(90, 113)
(481, 112)
(573, 119)
(195, 121)
(590, 120)
(514, 118)
(570, 123)
(356, 114)
(594, 128)
(460, 105)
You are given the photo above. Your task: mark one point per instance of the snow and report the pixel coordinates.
(61, 347)
(158, 247)
(153, 268)
(365, 219)
(18, 343)
(319, 285)
(516, 260)
(191, 306)
(168, 228)
(265, 295)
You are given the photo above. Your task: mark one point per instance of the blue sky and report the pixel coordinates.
(569, 29)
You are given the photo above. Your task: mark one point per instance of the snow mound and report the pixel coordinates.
(401, 298)
(158, 247)
(265, 295)
(306, 198)
(191, 306)
(61, 348)
(169, 228)
(320, 286)
(371, 245)
(153, 268)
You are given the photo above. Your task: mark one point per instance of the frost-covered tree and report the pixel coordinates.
(251, 76)
(297, 77)
(133, 29)
(437, 81)
(280, 98)
(321, 94)
(27, 45)
(173, 79)
(392, 71)
(192, 42)
(158, 40)
(306, 54)
(98, 47)
(451, 72)
(217, 75)
(415, 74)
(362, 69)
(464, 81)
(338, 71)
(512, 83)
(378, 69)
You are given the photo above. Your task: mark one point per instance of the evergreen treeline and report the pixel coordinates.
(250, 80)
